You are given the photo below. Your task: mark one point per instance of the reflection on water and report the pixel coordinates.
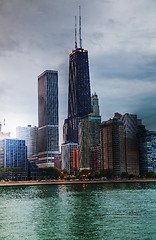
(80, 211)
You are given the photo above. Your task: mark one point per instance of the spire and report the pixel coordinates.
(75, 34)
(80, 27)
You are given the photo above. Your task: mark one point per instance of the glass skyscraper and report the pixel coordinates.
(48, 129)
(30, 135)
(79, 97)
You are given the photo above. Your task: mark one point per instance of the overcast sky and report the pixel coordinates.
(120, 36)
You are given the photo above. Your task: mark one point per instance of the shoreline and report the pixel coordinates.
(70, 182)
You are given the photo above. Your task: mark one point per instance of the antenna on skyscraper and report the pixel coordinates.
(80, 27)
(75, 34)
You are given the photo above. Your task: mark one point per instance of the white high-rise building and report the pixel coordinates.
(30, 135)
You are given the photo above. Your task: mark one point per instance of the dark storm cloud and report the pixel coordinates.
(126, 66)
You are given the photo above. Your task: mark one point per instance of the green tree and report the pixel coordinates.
(124, 175)
(108, 173)
(50, 172)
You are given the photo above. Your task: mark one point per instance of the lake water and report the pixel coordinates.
(84, 212)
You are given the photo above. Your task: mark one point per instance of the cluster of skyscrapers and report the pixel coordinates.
(36, 147)
(121, 144)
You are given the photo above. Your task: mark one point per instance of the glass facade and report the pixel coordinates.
(79, 98)
(14, 153)
(148, 152)
(113, 146)
(130, 125)
(132, 148)
(30, 135)
(89, 136)
(48, 131)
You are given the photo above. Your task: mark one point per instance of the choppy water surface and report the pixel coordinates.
(88, 212)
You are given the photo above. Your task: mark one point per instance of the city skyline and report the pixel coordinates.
(121, 43)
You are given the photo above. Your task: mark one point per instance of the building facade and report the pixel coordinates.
(96, 158)
(79, 97)
(65, 131)
(76, 161)
(30, 135)
(57, 162)
(95, 104)
(48, 128)
(67, 155)
(89, 136)
(113, 146)
(147, 152)
(132, 148)
(13, 153)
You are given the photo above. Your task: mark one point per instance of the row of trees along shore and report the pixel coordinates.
(20, 174)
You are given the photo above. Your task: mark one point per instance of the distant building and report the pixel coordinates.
(67, 155)
(96, 158)
(113, 146)
(13, 153)
(130, 125)
(147, 144)
(57, 161)
(65, 131)
(4, 135)
(30, 135)
(48, 130)
(141, 135)
(76, 161)
(89, 136)
(132, 148)
(95, 104)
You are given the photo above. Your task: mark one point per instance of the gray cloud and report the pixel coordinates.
(125, 65)
(38, 35)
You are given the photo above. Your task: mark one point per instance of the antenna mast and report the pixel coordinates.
(80, 27)
(75, 34)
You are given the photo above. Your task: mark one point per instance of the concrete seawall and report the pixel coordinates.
(68, 182)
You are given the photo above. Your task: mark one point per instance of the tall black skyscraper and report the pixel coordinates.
(79, 97)
(48, 137)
